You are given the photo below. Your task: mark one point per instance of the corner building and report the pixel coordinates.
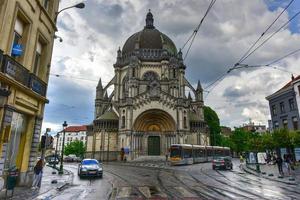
(30, 26)
(149, 108)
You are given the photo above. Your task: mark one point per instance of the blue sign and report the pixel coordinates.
(17, 50)
(126, 150)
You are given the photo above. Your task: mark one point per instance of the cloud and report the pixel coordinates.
(92, 37)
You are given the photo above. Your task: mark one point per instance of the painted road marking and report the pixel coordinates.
(124, 192)
(145, 191)
(185, 193)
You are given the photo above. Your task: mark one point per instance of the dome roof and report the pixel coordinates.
(149, 38)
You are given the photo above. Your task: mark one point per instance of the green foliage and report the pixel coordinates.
(242, 140)
(213, 122)
(76, 147)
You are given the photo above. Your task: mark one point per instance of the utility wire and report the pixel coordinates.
(281, 27)
(242, 58)
(287, 55)
(192, 37)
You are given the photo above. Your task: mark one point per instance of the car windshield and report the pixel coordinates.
(90, 162)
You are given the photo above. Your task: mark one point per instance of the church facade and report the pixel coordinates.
(149, 108)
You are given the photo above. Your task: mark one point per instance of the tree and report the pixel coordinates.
(76, 147)
(240, 140)
(213, 122)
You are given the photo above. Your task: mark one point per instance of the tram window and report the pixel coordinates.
(187, 153)
(175, 152)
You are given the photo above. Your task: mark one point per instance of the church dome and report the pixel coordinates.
(149, 38)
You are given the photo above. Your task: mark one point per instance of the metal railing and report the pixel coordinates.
(21, 74)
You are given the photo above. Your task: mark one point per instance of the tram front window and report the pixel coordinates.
(175, 152)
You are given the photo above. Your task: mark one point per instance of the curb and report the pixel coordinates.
(251, 171)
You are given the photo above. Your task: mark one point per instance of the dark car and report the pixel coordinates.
(90, 167)
(222, 163)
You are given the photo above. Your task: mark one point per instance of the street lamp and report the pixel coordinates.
(79, 5)
(57, 137)
(61, 168)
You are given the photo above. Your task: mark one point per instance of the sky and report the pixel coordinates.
(92, 36)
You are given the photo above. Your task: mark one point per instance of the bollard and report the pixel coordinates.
(54, 181)
(271, 175)
(263, 173)
(54, 172)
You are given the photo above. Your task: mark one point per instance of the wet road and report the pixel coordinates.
(194, 181)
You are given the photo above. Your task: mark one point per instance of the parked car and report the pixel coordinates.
(53, 160)
(72, 158)
(222, 163)
(90, 167)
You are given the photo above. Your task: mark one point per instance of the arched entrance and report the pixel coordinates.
(153, 125)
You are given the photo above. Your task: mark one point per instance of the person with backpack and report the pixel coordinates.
(38, 173)
(279, 162)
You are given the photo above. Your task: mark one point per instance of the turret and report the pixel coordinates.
(99, 90)
(199, 92)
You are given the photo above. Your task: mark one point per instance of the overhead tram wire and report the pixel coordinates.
(266, 40)
(192, 37)
(247, 54)
(242, 58)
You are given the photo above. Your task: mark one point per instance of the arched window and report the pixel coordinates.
(133, 72)
(125, 86)
(174, 73)
(123, 121)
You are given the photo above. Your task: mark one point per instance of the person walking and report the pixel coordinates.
(38, 173)
(279, 162)
(241, 161)
(287, 163)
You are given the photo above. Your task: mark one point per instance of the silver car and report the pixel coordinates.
(91, 168)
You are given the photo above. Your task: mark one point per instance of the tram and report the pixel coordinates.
(186, 154)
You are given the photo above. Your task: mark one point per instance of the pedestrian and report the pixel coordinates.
(122, 154)
(38, 173)
(279, 164)
(287, 163)
(241, 161)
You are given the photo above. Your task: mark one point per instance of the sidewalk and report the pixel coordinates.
(47, 188)
(271, 172)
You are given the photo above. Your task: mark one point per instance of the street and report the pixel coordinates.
(176, 182)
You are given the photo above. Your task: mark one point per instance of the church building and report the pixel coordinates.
(150, 107)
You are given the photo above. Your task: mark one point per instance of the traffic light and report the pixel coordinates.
(43, 141)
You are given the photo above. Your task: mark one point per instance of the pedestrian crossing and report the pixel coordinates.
(150, 192)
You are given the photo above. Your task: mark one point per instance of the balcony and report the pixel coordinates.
(18, 72)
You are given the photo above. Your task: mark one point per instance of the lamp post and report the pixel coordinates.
(61, 168)
(79, 5)
(45, 143)
(57, 137)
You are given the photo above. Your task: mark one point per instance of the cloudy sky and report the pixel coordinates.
(92, 36)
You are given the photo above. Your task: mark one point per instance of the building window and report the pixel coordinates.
(274, 111)
(295, 123)
(184, 122)
(46, 4)
(174, 73)
(123, 121)
(133, 72)
(18, 32)
(276, 125)
(285, 123)
(37, 59)
(282, 109)
(292, 104)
